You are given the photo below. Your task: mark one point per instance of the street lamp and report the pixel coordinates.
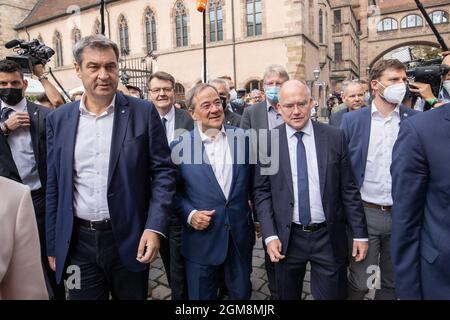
(201, 7)
(316, 73)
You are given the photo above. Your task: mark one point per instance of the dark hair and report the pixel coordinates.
(42, 98)
(161, 75)
(95, 41)
(377, 70)
(9, 66)
(182, 104)
(130, 86)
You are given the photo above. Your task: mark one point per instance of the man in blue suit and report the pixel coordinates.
(110, 182)
(420, 214)
(370, 133)
(214, 178)
(305, 206)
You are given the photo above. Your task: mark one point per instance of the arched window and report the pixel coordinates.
(179, 91)
(411, 21)
(320, 26)
(150, 30)
(57, 43)
(439, 17)
(254, 18)
(96, 27)
(253, 84)
(215, 21)
(387, 24)
(76, 35)
(123, 36)
(181, 25)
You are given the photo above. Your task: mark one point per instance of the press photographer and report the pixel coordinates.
(32, 57)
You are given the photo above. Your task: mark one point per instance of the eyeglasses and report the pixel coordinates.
(207, 106)
(158, 90)
(300, 105)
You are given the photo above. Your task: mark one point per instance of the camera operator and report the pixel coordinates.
(52, 93)
(424, 89)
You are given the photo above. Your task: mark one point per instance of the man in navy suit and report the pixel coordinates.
(110, 182)
(353, 99)
(214, 179)
(420, 214)
(304, 207)
(370, 133)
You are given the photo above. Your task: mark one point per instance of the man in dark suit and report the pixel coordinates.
(265, 116)
(214, 178)
(231, 118)
(305, 206)
(176, 122)
(420, 214)
(110, 182)
(23, 151)
(370, 133)
(352, 97)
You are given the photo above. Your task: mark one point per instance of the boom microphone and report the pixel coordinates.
(12, 43)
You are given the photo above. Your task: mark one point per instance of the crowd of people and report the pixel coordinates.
(106, 182)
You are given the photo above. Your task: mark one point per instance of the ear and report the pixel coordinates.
(77, 69)
(25, 85)
(374, 85)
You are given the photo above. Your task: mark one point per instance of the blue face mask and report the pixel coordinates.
(367, 98)
(272, 93)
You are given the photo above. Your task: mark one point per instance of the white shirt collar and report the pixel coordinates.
(20, 107)
(85, 111)
(307, 129)
(170, 115)
(374, 109)
(205, 138)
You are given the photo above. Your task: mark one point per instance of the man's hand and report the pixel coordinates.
(17, 120)
(257, 229)
(52, 262)
(38, 70)
(360, 250)
(148, 247)
(423, 89)
(202, 219)
(274, 250)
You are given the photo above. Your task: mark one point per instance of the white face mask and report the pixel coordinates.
(233, 94)
(394, 93)
(446, 86)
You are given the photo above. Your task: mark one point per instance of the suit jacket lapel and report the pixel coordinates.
(178, 119)
(70, 130)
(234, 149)
(121, 116)
(33, 112)
(263, 115)
(365, 133)
(285, 162)
(322, 155)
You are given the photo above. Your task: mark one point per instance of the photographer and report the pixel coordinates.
(52, 93)
(425, 92)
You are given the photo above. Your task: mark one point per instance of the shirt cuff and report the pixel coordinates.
(162, 234)
(268, 239)
(361, 239)
(190, 216)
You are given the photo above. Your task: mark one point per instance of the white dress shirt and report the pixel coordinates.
(21, 147)
(273, 116)
(170, 124)
(377, 182)
(219, 156)
(91, 163)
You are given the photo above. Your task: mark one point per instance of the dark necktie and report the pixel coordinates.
(164, 123)
(304, 210)
(5, 113)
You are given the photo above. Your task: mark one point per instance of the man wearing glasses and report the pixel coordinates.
(175, 122)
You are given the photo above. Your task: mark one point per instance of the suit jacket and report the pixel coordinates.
(356, 126)
(341, 201)
(336, 118)
(255, 117)
(141, 179)
(236, 108)
(420, 214)
(8, 168)
(198, 189)
(183, 120)
(232, 119)
(21, 274)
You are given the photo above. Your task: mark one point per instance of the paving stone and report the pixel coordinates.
(158, 263)
(265, 289)
(256, 295)
(258, 272)
(155, 273)
(257, 283)
(306, 287)
(257, 262)
(160, 293)
(163, 280)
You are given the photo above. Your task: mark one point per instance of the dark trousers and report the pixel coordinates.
(328, 276)
(270, 270)
(204, 280)
(101, 270)
(55, 291)
(173, 261)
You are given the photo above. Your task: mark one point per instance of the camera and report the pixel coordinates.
(29, 54)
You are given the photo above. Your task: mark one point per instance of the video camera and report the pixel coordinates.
(29, 54)
(428, 71)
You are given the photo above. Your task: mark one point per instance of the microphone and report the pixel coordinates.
(12, 43)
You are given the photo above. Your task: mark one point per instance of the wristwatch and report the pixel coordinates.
(42, 77)
(431, 102)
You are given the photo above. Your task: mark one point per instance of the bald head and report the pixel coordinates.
(295, 103)
(353, 95)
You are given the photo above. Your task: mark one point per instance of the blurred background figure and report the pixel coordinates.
(42, 99)
(256, 96)
(180, 104)
(134, 91)
(21, 274)
(76, 93)
(353, 99)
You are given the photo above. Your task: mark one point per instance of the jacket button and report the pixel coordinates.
(292, 204)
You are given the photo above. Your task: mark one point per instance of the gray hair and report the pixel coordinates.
(348, 84)
(191, 94)
(95, 41)
(222, 82)
(278, 70)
